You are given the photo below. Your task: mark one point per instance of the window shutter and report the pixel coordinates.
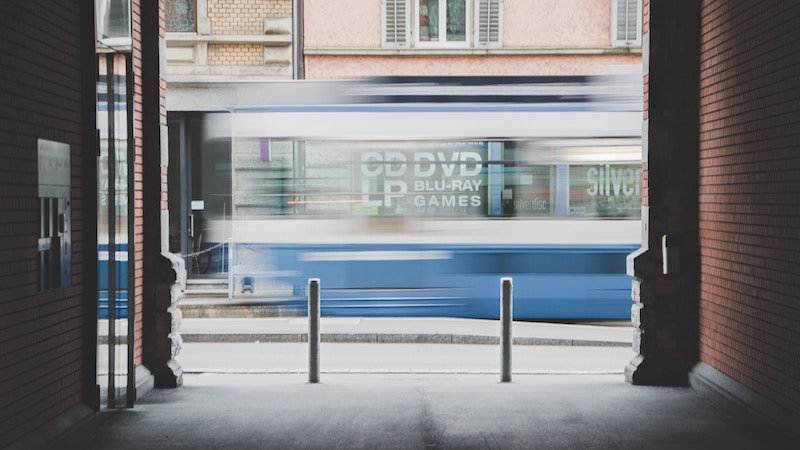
(395, 23)
(489, 23)
(626, 24)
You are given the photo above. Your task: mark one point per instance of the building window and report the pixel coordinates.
(626, 23)
(114, 17)
(112, 25)
(441, 23)
(180, 15)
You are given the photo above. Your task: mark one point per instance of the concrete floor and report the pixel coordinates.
(434, 411)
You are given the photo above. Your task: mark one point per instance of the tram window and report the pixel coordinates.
(605, 190)
(429, 179)
(325, 180)
(529, 191)
(433, 179)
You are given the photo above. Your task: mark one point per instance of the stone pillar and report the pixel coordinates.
(665, 313)
(170, 288)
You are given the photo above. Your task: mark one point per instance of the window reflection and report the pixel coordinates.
(427, 179)
(442, 20)
(457, 20)
(180, 15)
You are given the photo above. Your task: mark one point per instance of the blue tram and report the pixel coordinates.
(120, 281)
(413, 197)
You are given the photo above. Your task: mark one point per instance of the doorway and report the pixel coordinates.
(200, 192)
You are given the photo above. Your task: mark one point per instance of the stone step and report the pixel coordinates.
(206, 281)
(207, 292)
(212, 287)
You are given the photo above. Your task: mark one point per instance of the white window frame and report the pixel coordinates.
(411, 35)
(103, 43)
(637, 42)
(443, 42)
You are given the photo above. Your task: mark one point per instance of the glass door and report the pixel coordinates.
(200, 191)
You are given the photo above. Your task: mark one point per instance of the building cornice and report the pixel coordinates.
(561, 51)
(265, 39)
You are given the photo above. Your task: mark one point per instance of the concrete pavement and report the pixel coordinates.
(360, 409)
(346, 411)
(279, 409)
(402, 330)
(335, 357)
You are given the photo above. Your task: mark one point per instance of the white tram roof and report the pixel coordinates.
(438, 108)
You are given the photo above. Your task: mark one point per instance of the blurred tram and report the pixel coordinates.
(413, 196)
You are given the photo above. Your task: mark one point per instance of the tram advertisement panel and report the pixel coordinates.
(449, 179)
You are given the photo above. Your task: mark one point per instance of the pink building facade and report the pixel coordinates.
(362, 38)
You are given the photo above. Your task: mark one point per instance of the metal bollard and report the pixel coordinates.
(230, 269)
(313, 330)
(506, 317)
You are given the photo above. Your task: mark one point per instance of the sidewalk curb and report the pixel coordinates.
(390, 338)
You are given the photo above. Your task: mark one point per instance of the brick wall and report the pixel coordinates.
(136, 167)
(645, 100)
(236, 54)
(749, 186)
(645, 16)
(245, 16)
(242, 17)
(41, 358)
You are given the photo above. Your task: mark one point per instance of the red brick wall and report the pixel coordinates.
(138, 265)
(749, 190)
(150, 112)
(41, 358)
(646, 16)
(645, 100)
